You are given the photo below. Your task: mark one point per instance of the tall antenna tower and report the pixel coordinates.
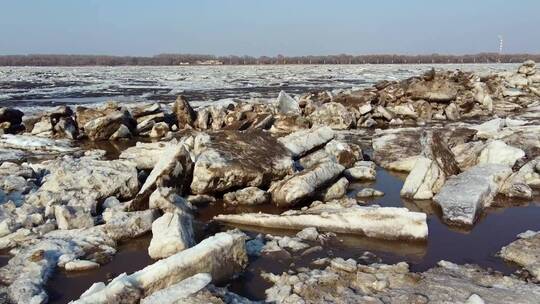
(500, 47)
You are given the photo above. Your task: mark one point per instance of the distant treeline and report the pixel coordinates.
(193, 59)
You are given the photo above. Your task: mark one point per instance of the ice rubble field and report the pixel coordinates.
(139, 83)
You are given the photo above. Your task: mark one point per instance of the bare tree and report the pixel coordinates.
(180, 59)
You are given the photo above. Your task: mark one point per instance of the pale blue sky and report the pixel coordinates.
(257, 27)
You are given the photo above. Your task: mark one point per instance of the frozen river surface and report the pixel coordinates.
(37, 87)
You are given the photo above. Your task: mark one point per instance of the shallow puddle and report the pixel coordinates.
(4, 257)
(64, 286)
(497, 227)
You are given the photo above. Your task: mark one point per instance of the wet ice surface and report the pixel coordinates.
(33, 88)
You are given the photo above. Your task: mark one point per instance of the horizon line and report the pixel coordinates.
(200, 59)
(280, 55)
